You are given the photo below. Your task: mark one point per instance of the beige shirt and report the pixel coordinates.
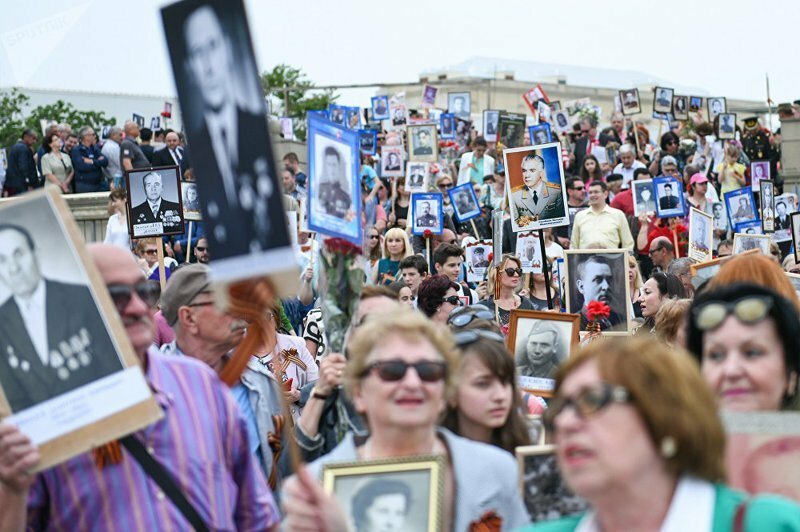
(52, 164)
(608, 229)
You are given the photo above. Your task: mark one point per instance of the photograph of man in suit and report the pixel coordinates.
(594, 281)
(447, 125)
(491, 123)
(425, 218)
(227, 130)
(668, 200)
(334, 188)
(782, 220)
(726, 126)
(156, 209)
(422, 142)
(52, 338)
(172, 154)
(464, 203)
(380, 107)
(664, 99)
(416, 175)
(743, 212)
(537, 198)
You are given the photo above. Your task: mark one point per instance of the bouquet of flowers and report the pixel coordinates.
(340, 285)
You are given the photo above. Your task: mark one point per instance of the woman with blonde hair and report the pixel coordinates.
(671, 322)
(510, 272)
(635, 282)
(396, 247)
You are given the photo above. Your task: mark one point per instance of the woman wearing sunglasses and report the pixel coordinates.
(501, 304)
(746, 340)
(401, 372)
(437, 296)
(658, 288)
(621, 446)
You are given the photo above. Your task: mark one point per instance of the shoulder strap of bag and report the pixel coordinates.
(738, 518)
(161, 477)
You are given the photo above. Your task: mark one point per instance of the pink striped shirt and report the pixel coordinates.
(201, 441)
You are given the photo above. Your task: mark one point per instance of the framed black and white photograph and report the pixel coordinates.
(740, 205)
(426, 213)
(540, 134)
(631, 105)
(154, 202)
(398, 116)
(720, 216)
(749, 228)
(224, 116)
(561, 122)
(704, 271)
(465, 202)
(795, 217)
(191, 202)
(459, 104)
(701, 235)
(380, 107)
(759, 170)
(511, 130)
(529, 252)
(543, 111)
(352, 117)
(716, 106)
(463, 132)
(745, 242)
(536, 187)
(680, 107)
(695, 104)
(139, 119)
(491, 119)
(669, 197)
(727, 126)
(416, 177)
(447, 125)
(662, 100)
(337, 114)
(477, 260)
(785, 204)
(394, 494)
(422, 143)
(392, 164)
(155, 123)
(544, 491)
(533, 96)
(540, 343)
(69, 377)
(767, 205)
(428, 96)
(368, 141)
(334, 207)
(599, 275)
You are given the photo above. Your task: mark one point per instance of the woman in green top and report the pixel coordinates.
(637, 435)
(396, 247)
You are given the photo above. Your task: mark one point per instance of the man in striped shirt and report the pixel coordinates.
(201, 441)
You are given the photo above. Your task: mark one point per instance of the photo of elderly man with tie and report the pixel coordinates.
(157, 214)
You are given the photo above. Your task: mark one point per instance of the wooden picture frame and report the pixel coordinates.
(712, 113)
(619, 275)
(544, 492)
(680, 112)
(740, 241)
(142, 222)
(87, 388)
(627, 105)
(766, 205)
(416, 150)
(663, 104)
(729, 132)
(539, 381)
(418, 478)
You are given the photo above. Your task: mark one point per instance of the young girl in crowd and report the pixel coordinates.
(590, 170)
(396, 247)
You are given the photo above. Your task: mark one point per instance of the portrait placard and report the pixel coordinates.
(465, 202)
(529, 252)
(426, 213)
(422, 143)
(543, 111)
(561, 122)
(669, 192)
(544, 491)
(191, 202)
(428, 97)
(785, 204)
(644, 197)
(720, 216)
(701, 237)
(69, 377)
(740, 205)
(680, 107)
(599, 275)
(759, 170)
(536, 187)
(540, 134)
(337, 114)
(477, 260)
(533, 96)
(745, 242)
(398, 116)
(224, 115)
(368, 141)
(560, 272)
(540, 342)
(375, 488)
(463, 130)
(749, 228)
(334, 206)
(416, 177)
(695, 103)
(447, 125)
(767, 206)
(662, 100)
(631, 105)
(380, 107)
(154, 202)
(392, 163)
(511, 129)
(716, 106)
(708, 269)
(727, 126)
(352, 117)
(139, 119)
(491, 119)
(459, 104)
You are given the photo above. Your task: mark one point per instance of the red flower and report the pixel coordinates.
(597, 309)
(491, 257)
(489, 522)
(427, 233)
(342, 246)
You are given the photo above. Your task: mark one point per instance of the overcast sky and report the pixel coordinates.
(115, 46)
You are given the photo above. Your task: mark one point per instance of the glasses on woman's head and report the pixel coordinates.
(121, 294)
(471, 336)
(748, 310)
(587, 402)
(461, 317)
(395, 370)
(453, 300)
(513, 271)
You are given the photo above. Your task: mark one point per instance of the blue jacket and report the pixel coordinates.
(21, 171)
(84, 172)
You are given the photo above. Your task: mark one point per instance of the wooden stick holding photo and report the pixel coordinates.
(544, 270)
(636, 138)
(162, 274)
(474, 229)
(189, 242)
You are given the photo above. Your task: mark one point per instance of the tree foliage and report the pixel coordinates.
(299, 101)
(14, 118)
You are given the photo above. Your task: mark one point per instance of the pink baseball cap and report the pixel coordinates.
(698, 178)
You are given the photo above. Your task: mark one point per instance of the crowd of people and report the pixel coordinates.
(635, 420)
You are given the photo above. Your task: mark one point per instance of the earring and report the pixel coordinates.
(668, 447)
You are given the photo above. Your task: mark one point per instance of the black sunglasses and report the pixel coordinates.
(471, 336)
(395, 370)
(121, 294)
(453, 300)
(461, 317)
(446, 185)
(587, 402)
(200, 248)
(748, 310)
(511, 271)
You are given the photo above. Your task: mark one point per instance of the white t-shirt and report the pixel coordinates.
(627, 173)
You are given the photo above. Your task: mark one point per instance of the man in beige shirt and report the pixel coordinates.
(600, 226)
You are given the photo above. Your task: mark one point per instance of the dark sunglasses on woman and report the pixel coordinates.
(395, 370)
(513, 271)
(453, 300)
(748, 310)
(121, 294)
(587, 402)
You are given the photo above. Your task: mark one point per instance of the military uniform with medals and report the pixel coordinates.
(334, 200)
(529, 203)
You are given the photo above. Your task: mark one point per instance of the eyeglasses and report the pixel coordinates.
(200, 248)
(578, 188)
(748, 310)
(654, 250)
(374, 237)
(446, 185)
(587, 402)
(395, 370)
(152, 251)
(471, 336)
(511, 271)
(121, 294)
(453, 300)
(671, 142)
(462, 317)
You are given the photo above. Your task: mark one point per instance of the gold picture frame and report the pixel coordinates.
(420, 479)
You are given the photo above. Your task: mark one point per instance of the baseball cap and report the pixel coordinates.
(698, 178)
(184, 285)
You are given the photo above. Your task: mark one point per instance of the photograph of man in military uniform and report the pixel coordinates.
(426, 218)
(422, 143)
(537, 198)
(334, 184)
(155, 208)
(52, 337)
(539, 352)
